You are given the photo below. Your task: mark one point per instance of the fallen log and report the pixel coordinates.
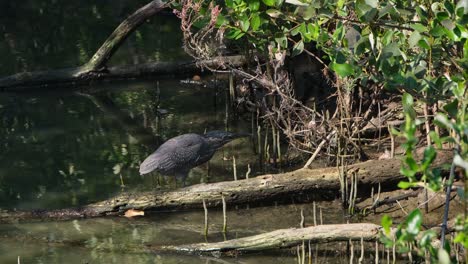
(78, 76)
(283, 238)
(296, 186)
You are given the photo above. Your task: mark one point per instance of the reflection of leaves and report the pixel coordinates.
(72, 172)
(117, 168)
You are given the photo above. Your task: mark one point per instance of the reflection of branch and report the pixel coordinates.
(130, 125)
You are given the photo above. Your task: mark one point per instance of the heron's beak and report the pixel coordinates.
(240, 135)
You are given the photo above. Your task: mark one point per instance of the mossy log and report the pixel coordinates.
(283, 238)
(296, 186)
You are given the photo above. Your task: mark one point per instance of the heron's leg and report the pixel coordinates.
(182, 176)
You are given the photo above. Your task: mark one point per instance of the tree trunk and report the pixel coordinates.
(113, 42)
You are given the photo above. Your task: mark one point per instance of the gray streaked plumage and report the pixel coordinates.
(180, 154)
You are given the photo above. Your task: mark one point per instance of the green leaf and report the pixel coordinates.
(419, 27)
(452, 108)
(407, 101)
(274, 13)
(414, 38)
(443, 256)
(255, 22)
(422, 13)
(391, 50)
(342, 69)
(235, 33)
(414, 221)
(424, 44)
(442, 120)
(406, 185)
(269, 2)
(458, 161)
(436, 139)
(297, 48)
(386, 223)
(426, 238)
(296, 2)
(428, 158)
(245, 25)
(221, 20)
(281, 40)
(254, 5)
(365, 10)
(437, 31)
(230, 3)
(441, 16)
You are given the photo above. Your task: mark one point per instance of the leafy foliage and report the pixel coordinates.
(418, 49)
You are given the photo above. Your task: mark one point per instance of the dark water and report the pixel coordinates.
(62, 147)
(68, 149)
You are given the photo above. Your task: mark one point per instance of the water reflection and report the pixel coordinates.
(42, 34)
(69, 149)
(120, 240)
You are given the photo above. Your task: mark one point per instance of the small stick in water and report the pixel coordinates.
(361, 258)
(351, 249)
(206, 218)
(303, 252)
(376, 252)
(224, 214)
(302, 218)
(248, 171)
(321, 218)
(234, 167)
(315, 215)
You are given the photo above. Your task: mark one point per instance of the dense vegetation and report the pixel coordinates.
(416, 51)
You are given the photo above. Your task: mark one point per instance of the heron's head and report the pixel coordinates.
(219, 138)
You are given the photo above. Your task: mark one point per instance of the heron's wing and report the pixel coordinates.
(175, 155)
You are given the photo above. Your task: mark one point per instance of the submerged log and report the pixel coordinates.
(296, 186)
(283, 238)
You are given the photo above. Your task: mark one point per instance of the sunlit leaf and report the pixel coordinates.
(297, 48)
(460, 162)
(274, 13)
(406, 185)
(414, 38)
(414, 221)
(443, 256)
(386, 223)
(296, 2)
(426, 238)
